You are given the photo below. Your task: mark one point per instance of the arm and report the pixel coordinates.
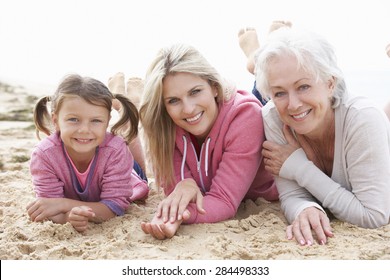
(118, 181)
(58, 209)
(364, 196)
(294, 199)
(241, 151)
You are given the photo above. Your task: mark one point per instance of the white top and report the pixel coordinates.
(358, 191)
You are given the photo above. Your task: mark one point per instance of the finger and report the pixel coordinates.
(157, 232)
(326, 226)
(318, 230)
(289, 232)
(186, 215)
(144, 227)
(267, 145)
(199, 203)
(30, 205)
(296, 230)
(174, 209)
(166, 232)
(164, 210)
(81, 229)
(305, 230)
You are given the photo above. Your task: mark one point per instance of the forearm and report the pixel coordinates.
(102, 212)
(356, 207)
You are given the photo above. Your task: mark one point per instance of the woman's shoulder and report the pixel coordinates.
(361, 107)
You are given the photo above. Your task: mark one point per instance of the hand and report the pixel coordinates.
(79, 217)
(310, 219)
(44, 208)
(275, 155)
(162, 230)
(173, 206)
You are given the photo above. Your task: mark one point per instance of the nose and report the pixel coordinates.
(188, 106)
(294, 102)
(83, 127)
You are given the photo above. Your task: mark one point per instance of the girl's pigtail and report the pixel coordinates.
(42, 118)
(129, 115)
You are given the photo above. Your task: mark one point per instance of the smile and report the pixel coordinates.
(301, 115)
(83, 140)
(194, 119)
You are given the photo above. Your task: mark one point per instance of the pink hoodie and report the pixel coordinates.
(230, 166)
(111, 183)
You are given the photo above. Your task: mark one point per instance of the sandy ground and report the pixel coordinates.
(256, 232)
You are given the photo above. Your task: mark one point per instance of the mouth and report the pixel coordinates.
(83, 141)
(301, 116)
(194, 119)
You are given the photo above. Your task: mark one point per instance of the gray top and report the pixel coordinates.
(358, 191)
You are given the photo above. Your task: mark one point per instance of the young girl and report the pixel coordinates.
(81, 172)
(204, 140)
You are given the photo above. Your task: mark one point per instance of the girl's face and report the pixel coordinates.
(302, 102)
(190, 102)
(82, 126)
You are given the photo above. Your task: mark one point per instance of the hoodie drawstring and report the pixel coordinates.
(184, 157)
(206, 159)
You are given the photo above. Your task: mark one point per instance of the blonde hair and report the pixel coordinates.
(93, 92)
(158, 126)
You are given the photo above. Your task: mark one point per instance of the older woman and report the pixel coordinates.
(327, 151)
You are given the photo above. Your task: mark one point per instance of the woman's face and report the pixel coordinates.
(190, 102)
(302, 102)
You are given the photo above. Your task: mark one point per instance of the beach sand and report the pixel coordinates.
(256, 232)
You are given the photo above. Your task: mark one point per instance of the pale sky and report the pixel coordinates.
(43, 40)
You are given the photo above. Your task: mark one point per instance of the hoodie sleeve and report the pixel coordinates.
(118, 180)
(44, 176)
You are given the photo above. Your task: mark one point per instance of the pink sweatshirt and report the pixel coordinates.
(111, 183)
(230, 166)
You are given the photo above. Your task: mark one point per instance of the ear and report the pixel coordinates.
(54, 119)
(331, 85)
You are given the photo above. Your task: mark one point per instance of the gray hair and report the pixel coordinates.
(313, 53)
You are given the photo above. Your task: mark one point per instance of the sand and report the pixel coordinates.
(256, 232)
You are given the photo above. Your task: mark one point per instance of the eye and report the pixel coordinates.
(73, 120)
(303, 87)
(173, 100)
(279, 94)
(195, 91)
(97, 121)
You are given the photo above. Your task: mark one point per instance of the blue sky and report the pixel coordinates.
(43, 40)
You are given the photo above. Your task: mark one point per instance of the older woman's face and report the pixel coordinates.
(190, 102)
(302, 102)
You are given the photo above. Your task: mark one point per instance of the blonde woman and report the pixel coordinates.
(204, 140)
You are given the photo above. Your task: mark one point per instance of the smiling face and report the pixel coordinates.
(82, 126)
(190, 102)
(302, 102)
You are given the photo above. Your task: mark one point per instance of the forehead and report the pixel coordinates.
(285, 69)
(180, 83)
(73, 104)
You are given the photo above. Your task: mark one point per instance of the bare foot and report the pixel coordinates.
(278, 24)
(249, 43)
(248, 40)
(135, 87)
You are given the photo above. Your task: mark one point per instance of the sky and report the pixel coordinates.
(43, 40)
